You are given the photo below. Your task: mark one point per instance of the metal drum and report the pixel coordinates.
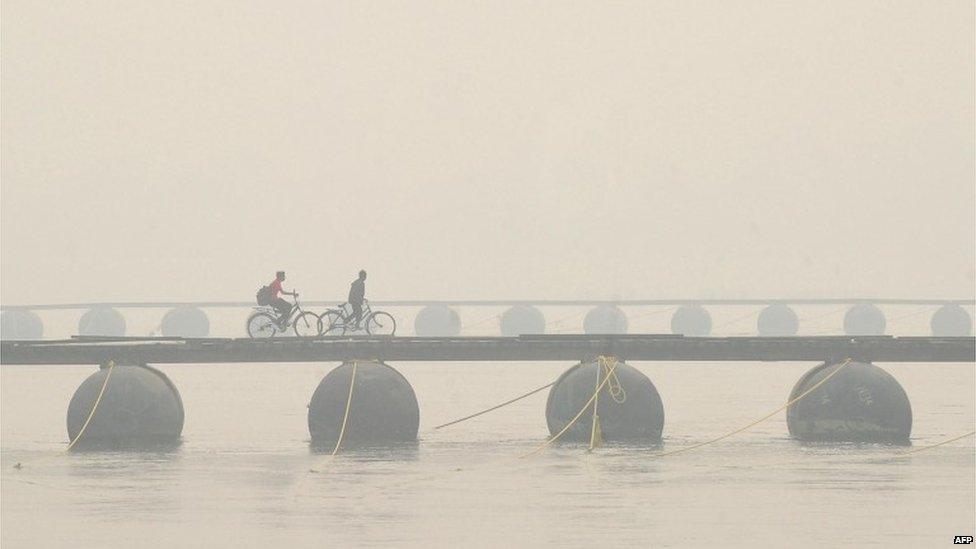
(437, 320)
(140, 408)
(691, 320)
(20, 324)
(523, 319)
(605, 319)
(862, 403)
(864, 320)
(101, 321)
(951, 321)
(629, 407)
(777, 320)
(383, 408)
(185, 322)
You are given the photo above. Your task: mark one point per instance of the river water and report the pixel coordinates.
(242, 476)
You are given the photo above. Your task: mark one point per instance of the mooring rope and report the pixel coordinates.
(482, 322)
(503, 404)
(98, 400)
(345, 416)
(924, 448)
(345, 419)
(915, 312)
(596, 437)
(734, 320)
(84, 427)
(654, 312)
(556, 323)
(823, 315)
(758, 421)
(616, 391)
(549, 441)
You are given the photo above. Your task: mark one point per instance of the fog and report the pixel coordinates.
(188, 150)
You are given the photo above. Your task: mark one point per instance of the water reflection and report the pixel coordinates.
(131, 446)
(370, 452)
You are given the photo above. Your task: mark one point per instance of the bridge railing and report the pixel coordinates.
(771, 317)
(510, 302)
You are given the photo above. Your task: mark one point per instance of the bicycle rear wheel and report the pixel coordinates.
(381, 323)
(307, 324)
(261, 325)
(333, 323)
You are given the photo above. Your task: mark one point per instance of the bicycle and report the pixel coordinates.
(263, 322)
(336, 322)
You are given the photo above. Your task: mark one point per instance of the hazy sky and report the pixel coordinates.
(187, 150)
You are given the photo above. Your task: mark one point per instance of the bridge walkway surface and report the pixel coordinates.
(563, 347)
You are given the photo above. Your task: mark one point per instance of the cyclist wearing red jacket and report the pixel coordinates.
(282, 307)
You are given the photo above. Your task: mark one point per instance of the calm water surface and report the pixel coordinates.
(241, 478)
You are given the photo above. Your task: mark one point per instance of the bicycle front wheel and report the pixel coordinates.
(261, 325)
(307, 325)
(333, 323)
(380, 324)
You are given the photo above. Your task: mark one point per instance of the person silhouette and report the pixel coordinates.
(357, 294)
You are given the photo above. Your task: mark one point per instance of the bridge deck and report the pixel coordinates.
(532, 348)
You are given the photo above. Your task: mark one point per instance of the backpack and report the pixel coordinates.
(264, 295)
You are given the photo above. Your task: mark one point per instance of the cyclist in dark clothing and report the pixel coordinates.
(282, 307)
(357, 294)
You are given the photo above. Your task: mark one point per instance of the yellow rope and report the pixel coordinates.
(917, 312)
(654, 312)
(823, 315)
(594, 426)
(549, 441)
(465, 329)
(345, 416)
(555, 323)
(924, 448)
(616, 390)
(734, 320)
(758, 421)
(84, 427)
(516, 399)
